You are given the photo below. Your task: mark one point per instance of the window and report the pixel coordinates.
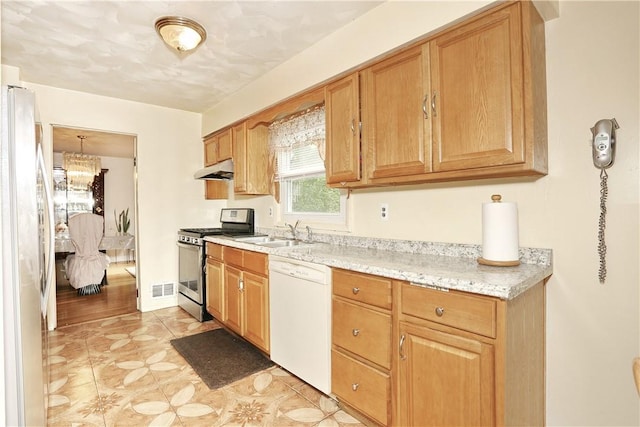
(298, 145)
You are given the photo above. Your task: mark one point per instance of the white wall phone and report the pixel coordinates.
(603, 150)
(604, 142)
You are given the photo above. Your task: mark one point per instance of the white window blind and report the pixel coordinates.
(298, 143)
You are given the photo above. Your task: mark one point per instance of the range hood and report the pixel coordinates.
(222, 170)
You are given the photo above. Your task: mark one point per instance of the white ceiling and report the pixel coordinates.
(111, 48)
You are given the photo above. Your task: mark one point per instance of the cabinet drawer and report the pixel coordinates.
(363, 387)
(214, 250)
(365, 288)
(232, 256)
(362, 331)
(466, 312)
(256, 262)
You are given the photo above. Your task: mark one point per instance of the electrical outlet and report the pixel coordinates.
(384, 211)
(270, 211)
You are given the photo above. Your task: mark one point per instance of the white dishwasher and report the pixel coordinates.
(300, 319)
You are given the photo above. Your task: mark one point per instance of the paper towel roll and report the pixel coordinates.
(499, 233)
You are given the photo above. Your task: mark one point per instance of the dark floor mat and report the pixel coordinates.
(220, 358)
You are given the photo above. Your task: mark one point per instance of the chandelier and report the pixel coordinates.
(81, 168)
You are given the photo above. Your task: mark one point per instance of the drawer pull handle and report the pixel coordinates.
(439, 311)
(355, 290)
(355, 386)
(401, 349)
(355, 332)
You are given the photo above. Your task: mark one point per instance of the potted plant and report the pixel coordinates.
(122, 221)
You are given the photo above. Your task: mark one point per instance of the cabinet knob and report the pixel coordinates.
(439, 311)
(355, 332)
(355, 386)
(355, 290)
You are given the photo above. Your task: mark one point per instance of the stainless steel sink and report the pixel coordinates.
(280, 243)
(255, 239)
(271, 242)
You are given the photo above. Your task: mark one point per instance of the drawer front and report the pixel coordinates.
(214, 250)
(363, 387)
(466, 312)
(365, 288)
(362, 331)
(256, 262)
(233, 256)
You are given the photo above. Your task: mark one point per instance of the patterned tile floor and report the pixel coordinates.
(123, 371)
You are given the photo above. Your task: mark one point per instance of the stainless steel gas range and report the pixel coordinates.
(192, 257)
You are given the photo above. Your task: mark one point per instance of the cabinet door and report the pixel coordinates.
(217, 147)
(210, 150)
(342, 122)
(239, 148)
(215, 289)
(444, 379)
(224, 145)
(233, 300)
(251, 160)
(396, 127)
(477, 81)
(256, 310)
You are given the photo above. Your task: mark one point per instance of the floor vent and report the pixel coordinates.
(162, 290)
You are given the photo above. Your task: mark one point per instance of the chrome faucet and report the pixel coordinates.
(309, 234)
(294, 229)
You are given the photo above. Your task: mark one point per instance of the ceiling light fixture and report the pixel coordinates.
(182, 34)
(81, 168)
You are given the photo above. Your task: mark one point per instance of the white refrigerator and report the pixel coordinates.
(27, 266)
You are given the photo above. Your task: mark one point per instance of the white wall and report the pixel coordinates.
(119, 194)
(169, 151)
(593, 330)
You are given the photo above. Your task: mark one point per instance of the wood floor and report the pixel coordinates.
(117, 297)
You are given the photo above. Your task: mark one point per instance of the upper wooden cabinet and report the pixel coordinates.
(481, 90)
(342, 123)
(217, 147)
(250, 159)
(396, 130)
(467, 103)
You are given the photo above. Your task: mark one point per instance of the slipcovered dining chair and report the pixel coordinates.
(86, 268)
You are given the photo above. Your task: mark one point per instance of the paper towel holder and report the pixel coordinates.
(497, 198)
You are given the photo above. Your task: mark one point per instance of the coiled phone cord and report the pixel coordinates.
(602, 246)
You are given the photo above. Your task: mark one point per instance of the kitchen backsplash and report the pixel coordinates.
(527, 255)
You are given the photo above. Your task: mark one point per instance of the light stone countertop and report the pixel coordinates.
(439, 265)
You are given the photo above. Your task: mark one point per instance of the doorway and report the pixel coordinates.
(112, 195)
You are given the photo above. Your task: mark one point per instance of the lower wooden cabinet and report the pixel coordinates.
(233, 299)
(215, 282)
(361, 339)
(361, 386)
(437, 358)
(256, 310)
(445, 380)
(246, 290)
